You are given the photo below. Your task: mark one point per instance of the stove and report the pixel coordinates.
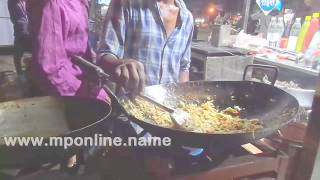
(173, 162)
(119, 164)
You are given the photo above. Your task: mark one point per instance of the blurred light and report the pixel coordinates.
(104, 10)
(199, 20)
(104, 2)
(211, 10)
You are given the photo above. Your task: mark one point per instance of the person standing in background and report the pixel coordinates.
(60, 32)
(20, 21)
(146, 42)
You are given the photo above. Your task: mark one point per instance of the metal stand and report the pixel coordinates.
(309, 160)
(246, 12)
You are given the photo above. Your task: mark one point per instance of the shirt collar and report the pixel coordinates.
(182, 7)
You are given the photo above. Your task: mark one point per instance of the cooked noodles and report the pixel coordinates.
(205, 117)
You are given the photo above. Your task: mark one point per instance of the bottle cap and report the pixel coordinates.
(316, 15)
(308, 18)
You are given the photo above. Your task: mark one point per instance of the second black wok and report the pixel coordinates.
(48, 117)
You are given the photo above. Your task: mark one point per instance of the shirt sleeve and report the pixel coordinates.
(11, 7)
(51, 53)
(114, 30)
(186, 60)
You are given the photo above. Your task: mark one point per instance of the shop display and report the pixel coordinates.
(272, 32)
(315, 41)
(314, 27)
(302, 34)
(294, 33)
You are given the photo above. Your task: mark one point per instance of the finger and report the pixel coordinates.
(142, 77)
(124, 77)
(134, 78)
(120, 90)
(117, 73)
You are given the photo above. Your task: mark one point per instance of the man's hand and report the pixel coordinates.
(130, 75)
(184, 76)
(127, 73)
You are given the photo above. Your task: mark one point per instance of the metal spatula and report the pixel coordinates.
(178, 116)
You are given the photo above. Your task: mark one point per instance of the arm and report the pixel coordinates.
(51, 53)
(11, 8)
(128, 73)
(111, 47)
(184, 76)
(186, 60)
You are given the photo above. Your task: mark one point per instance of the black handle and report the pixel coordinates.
(102, 76)
(99, 71)
(261, 66)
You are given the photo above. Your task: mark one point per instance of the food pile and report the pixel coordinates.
(205, 117)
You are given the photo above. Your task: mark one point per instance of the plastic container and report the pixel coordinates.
(279, 31)
(313, 29)
(315, 43)
(302, 34)
(284, 42)
(271, 32)
(316, 63)
(294, 34)
(310, 58)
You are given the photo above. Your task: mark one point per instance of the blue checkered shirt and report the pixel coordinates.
(134, 29)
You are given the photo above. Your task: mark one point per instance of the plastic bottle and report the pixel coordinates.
(294, 34)
(279, 31)
(314, 27)
(302, 34)
(271, 32)
(309, 58)
(316, 61)
(315, 41)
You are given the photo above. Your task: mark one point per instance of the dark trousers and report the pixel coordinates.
(22, 44)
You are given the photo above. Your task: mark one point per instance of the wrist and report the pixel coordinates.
(109, 62)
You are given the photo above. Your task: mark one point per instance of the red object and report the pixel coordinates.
(314, 27)
(284, 43)
(237, 113)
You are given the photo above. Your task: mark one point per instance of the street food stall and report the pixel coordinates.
(264, 101)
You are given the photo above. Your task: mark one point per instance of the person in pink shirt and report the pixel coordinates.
(60, 31)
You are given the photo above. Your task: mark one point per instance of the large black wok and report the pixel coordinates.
(46, 117)
(273, 106)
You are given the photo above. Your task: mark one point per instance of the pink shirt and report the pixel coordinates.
(61, 29)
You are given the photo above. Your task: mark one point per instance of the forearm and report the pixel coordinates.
(184, 76)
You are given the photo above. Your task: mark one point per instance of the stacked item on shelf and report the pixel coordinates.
(303, 39)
